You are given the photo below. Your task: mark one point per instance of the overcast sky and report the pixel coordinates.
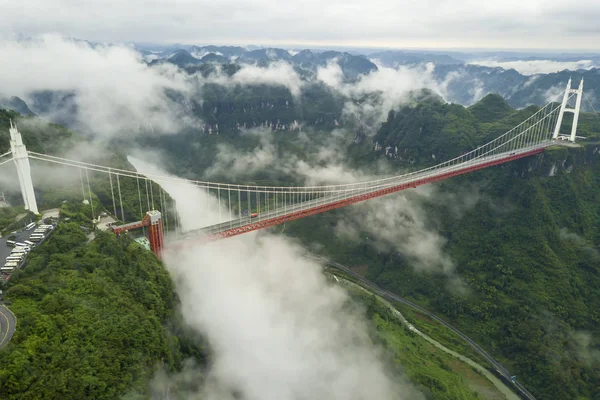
(548, 24)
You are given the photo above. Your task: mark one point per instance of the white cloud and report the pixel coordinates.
(276, 73)
(321, 163)
(539, 66)
(473, 86)
(201, 54)
(583, 343)
(399, 224)
(376, 93)
(235, 163)
(115, 92)
(332, 75)
(9, 182)
(552, 93)
(395, 223)
(277, 330)
(187, 196)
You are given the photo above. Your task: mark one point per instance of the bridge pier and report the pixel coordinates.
(153, 220)
(155, 233)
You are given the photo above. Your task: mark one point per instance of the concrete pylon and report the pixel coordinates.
(576, 110)
(21, 159)
(565, 108)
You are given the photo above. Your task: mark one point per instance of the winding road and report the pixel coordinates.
(8, 323)
(499, 384)
(500, 369)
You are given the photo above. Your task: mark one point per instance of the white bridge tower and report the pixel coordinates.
(564, 109)
(21, 159)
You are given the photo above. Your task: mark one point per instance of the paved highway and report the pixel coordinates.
(8, 323)
(393, 297)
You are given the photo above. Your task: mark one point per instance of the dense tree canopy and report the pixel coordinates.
(527, 249)
(92, 320)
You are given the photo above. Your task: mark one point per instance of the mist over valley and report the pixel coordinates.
(482, 284)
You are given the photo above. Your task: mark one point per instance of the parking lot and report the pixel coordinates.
(19, 236)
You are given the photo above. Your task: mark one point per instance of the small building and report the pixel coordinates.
(143, 241)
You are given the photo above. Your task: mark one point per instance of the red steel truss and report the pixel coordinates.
(153, 220)
(345, 202)
(117, 230)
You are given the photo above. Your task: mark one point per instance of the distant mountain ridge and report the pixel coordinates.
(16, 104)
(463, 83)
(446, 73)
(394, 58)
(352, 65)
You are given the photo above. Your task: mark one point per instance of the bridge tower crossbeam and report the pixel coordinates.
(564, 108)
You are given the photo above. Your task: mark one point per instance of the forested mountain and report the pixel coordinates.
(522, 238)
(94, 321)
(516, 244)
(219, 89)
(99, 319)
(352, 65)
(15, 104)
(462, 82)
(469, 83)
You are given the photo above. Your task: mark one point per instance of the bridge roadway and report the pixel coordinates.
(341, 198)
(500, 369)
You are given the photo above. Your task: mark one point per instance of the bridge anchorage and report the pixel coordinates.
(266, 206)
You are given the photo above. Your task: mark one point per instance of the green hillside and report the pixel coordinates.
(94, 321)
(435, 373)
(491, 108)
(528, 253)
(42, 137)
(97, 320)
(526, 248)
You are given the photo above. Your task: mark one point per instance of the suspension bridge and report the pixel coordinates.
(245, 208)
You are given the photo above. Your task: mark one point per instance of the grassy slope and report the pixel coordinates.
(437, 374)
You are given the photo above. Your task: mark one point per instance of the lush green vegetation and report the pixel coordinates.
(527, 249)
(13, 218)
(225, 110)
(8, 216)
(94, 321)
(52, 139)
(38, 136)
(436, 374)
(440, 333)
